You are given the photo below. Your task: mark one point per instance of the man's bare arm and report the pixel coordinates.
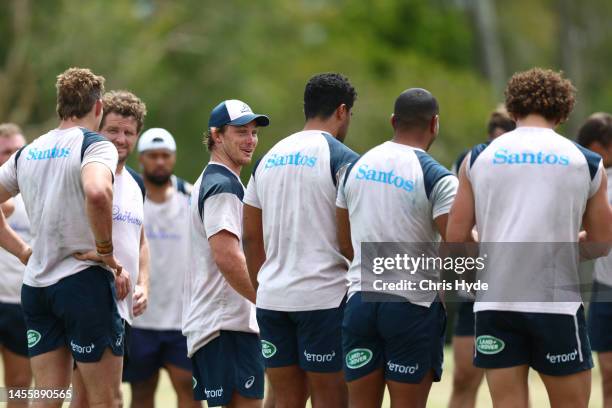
(344, 233)
(597, 223)
(231, 261)
(252, 241)
(462, 218)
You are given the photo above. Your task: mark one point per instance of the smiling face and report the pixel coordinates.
(237, 143)
(122, 131)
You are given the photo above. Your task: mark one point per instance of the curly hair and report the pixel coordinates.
(325, 92)
(126, 104)
(9, 130)
(597, 128)
(540, 91)
(78, 89)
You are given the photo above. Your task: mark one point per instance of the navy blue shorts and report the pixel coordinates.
(407, 339)
(13, 329)
(311, 339)
(464, 320)
(600, 318)
(552, 344)
(79, 312)
(230, 363)
(150, 350)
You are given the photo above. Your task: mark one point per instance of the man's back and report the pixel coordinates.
(47, 172)
(295, 186)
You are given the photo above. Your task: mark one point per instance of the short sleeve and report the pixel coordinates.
(443, 195)
(8, 175)
(597, 180)
(250, 197)
(102, 152)
(222, 212)
(468, 167)
(341, 197)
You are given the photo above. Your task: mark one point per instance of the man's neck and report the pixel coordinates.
(324, 125)
(120, 167)
(157, 193)
(85, 122)
(221, 157)
(533, 120)
(411, 139)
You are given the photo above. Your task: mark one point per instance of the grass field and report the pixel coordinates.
(438, 397)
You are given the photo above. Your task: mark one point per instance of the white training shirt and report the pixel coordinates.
(393, 193)
(11, 268)
(603, 266)
(210, 304)
(128, 214)
(167, 230)
(47, 172)
(531, 185)
(295, 186)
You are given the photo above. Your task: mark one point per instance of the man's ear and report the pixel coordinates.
(392, 120)
(342, 112)
(99, 108)
(434, 124)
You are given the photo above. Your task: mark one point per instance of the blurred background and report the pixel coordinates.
(183, 57)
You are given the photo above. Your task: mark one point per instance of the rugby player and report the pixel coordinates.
(122, 122)
(218, 309)
(532, 185)
(466, 377)
(596, 135)
(397, 343)
(156, 340)
(66, 180)
(13, 342)
(292, 250)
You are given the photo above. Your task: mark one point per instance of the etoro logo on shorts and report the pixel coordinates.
(267, 349)
(487, 344)
(33, 338)
(358, 357)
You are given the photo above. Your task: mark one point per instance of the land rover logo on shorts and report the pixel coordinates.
(358, 358)
(267, 349)
(489, 345)
(194, 382)
(33, 338)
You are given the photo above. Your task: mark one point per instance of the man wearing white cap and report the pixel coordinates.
(156, 338)
(218, 309)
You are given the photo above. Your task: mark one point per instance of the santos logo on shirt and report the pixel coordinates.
(54, 153)
(503, 156)
(292, 159)
(385, 177)
(125, 216)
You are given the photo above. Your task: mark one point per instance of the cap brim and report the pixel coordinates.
(261, 120)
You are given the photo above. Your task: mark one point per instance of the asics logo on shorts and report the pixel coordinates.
(249, 382)
(82, 349)
(319, 358)
(214, 393)
(562, 358)
(402, 369)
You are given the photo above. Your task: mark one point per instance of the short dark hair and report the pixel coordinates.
(324, 93)
(78, 89)
(414, 109)
(540, 91)
(500, 119)
(597, 128)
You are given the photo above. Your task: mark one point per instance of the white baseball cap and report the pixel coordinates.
(156, 138)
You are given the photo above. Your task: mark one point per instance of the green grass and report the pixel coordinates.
(438, 397)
